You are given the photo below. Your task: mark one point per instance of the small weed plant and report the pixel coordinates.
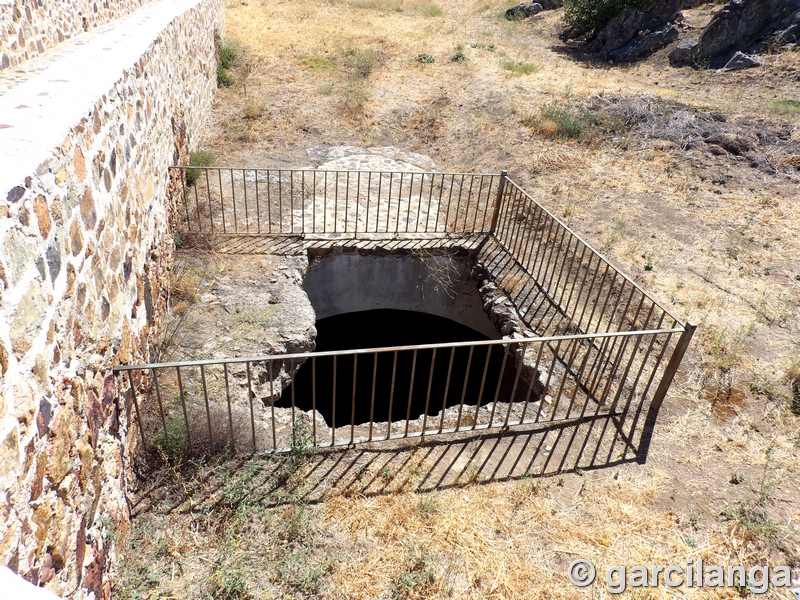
(425, 59)
(518, 67)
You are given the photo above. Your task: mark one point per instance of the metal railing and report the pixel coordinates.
(617, 359)
(409, 391)
(292, 202)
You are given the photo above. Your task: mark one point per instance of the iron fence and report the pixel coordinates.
(365, 395)
(291, 202)
(615, 354)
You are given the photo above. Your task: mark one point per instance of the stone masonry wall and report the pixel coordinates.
(29, 27)
(85, 254)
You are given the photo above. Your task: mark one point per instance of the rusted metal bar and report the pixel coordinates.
(498, 200)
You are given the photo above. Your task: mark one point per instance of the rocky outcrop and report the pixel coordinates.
(740, 25)
(632, 34)
(740, 61)
(644, 45)
(631, 24)
(528, 9)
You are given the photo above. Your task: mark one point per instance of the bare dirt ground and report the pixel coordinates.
(687, 179)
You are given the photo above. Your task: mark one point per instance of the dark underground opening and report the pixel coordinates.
(475, 373)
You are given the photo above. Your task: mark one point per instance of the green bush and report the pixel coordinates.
(425, 58)
(587, 17)
(198, 159)
(227, 55)
(223, 78)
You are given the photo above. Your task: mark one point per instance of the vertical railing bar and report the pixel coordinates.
(449, 199)
(564, 261)
(252, 411)
(314, 203)
(185, 412)
(280, 200)
(430, 202)
(536, 240)
(333, 416)
(336, 204)
(544, 244)
(160, 404)
(269, 203)
(499, 382)
(291, 199)
(366, 219)
(303, 202)
(567, 370)
(246, 210)
(258, 204)
(514, 387)
(230, 409)
(233, 199)
(210, 209)
(477, 204)
(197, 206)
(411, 391)
(515, 222)
(469, 200)
(272, 401)
(346, 199)
(292, 376)
(595, 272)
(447, 387)
(389, 202)
(439, 206)
(353, 402)
(314, 399)
(221, 201)
(372, 397)
(464, 388)
(358, 198)
(589, 326)
(525, 256)
(208, 407)
(534, 377)
(630, 362)
(578, 378)
(549, 376)
(519, 233)
(552, 259)
(644, 364)
(578, 265)
(410, 198)
(428, 396)
(391, 397)
(399, 201)
(419, 203)
(458, 205)
(325, 207)
(378, 209)
(185, 199)
(547, 254)
(139, 413)
(483, 381)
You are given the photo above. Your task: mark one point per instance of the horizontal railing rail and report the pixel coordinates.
(223, 200)
(348, 396)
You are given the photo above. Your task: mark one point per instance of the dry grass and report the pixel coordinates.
(712, 236)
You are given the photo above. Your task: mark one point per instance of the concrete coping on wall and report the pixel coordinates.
(37, 114)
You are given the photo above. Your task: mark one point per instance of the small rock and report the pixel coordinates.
(523, 11)
(740, 61)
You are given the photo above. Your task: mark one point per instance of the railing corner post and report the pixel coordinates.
(499, 198)
(661, 391)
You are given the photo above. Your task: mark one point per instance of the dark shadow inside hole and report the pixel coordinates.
(474, 374)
